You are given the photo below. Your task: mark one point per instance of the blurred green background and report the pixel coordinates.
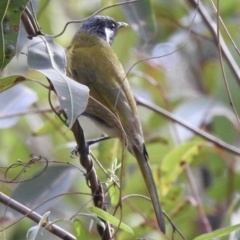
(183, 75)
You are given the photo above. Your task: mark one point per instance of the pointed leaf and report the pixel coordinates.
(114, 193)
(7, 82)
(49, 59)
(79, 230)
(111, 219)
(218, 233)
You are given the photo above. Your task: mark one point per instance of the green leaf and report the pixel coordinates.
(7, 82)
(111, 219)
(218, 233)
(10, 12)
(173, 197)
(3, 8)
(172, 164)
(114, 194)
(49, 58)
(79, 230)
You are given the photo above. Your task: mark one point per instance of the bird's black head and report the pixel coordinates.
(103, 26)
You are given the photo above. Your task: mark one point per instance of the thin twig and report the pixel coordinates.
(202, 214)
(223, 70)
(213, 29)
(226, 30)
(95, 13)
(27, 112)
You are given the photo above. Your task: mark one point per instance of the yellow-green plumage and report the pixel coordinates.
(108, 84)
(91, 61)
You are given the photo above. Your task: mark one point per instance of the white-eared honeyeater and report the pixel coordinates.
(111, 106)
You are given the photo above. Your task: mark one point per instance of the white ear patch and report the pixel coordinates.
(109, 35)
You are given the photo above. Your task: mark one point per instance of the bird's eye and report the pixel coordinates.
(113, 26)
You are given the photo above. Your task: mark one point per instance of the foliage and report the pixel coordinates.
(173, 60)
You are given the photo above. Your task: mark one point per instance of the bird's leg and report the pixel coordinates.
(75, 151)
(97, 140)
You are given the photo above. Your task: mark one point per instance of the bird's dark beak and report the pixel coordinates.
(121, 24)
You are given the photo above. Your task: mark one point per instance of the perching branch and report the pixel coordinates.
(91, 178)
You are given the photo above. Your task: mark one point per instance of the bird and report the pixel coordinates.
(111, 107)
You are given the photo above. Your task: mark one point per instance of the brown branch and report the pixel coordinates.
(54, 229)
(91, 175)
(218, 142)
(91, 178)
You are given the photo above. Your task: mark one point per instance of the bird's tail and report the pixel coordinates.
(148, 177)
